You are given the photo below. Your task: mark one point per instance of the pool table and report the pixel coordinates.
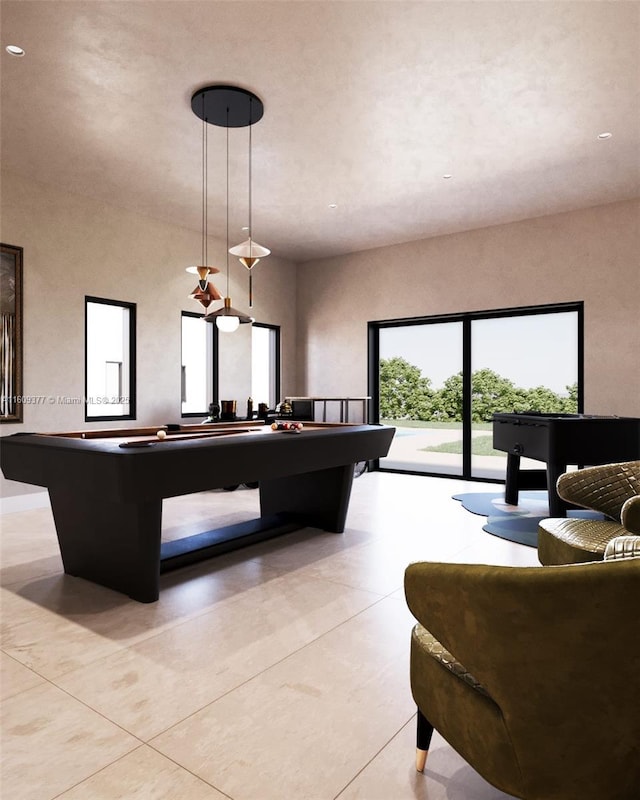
(106, 488)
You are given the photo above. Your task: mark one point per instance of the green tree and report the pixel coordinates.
(571, 402)
(404, 392)
(540, 398)
(491, 393)
(448, 400)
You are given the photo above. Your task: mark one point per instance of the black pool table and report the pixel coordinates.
(106, 489)
(560, 440)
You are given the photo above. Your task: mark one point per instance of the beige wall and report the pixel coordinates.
(591, 255)
(74, 247)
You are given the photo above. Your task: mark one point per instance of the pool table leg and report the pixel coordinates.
(318, 499)
(114, 544)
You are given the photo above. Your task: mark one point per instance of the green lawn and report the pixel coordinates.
(416, 423)
(480, 446)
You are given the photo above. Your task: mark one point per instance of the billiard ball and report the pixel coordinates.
(161, 435)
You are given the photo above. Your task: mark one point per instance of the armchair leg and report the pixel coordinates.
(423, 740)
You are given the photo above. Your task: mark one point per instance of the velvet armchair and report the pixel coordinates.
(532, 674)
(611, 489)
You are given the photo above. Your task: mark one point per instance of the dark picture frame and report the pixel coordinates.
(11, 268)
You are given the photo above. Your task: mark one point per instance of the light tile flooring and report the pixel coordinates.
(279, 672)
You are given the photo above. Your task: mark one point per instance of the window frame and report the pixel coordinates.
(277, 379)
(214, 366)
(467, 318)
(131, 308)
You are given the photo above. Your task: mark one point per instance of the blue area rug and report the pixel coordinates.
(515, 523)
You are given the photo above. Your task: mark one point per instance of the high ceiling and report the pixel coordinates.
(367, 106)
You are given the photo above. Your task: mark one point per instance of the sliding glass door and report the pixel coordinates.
(439, 380)
(527, 362)
(418, 380)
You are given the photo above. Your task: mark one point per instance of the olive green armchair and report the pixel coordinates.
(611, 489)
(532, 674)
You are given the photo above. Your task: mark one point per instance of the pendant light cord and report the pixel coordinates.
(250, 127)
(206, 194)
(204, 186)
(227, 202)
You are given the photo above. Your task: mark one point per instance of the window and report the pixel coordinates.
(109, 359)
(439, 380)
(198, 365)
(265, 364)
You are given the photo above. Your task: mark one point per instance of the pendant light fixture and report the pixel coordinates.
(228, 107)
(227, 318)
(250, 252)
(205, 292)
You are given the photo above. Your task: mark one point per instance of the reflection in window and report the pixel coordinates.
(110, 359)
(197, 365)
(113, 378)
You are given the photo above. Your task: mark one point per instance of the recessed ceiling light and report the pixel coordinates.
(14, 50)
(333, 205)
(447, 175)
(605, 135)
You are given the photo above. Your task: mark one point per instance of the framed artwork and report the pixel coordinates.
(11, 400)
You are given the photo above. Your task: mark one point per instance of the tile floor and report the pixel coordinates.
(279, 672)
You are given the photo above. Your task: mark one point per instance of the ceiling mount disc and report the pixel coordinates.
(227, 106)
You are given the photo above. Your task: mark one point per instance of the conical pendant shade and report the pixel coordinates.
(202, 272)
(229, 313)
(205, 294)
(249, 252)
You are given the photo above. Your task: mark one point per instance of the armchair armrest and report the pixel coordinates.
(622, 547)
(630, 515)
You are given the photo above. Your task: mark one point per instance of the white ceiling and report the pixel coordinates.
(367, 105)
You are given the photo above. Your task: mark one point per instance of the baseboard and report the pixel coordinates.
(23, 502)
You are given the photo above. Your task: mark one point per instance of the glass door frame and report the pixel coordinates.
(467, 318)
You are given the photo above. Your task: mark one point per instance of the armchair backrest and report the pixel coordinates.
(604, 488)
(558, 649)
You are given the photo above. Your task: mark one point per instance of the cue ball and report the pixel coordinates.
(161, 434)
